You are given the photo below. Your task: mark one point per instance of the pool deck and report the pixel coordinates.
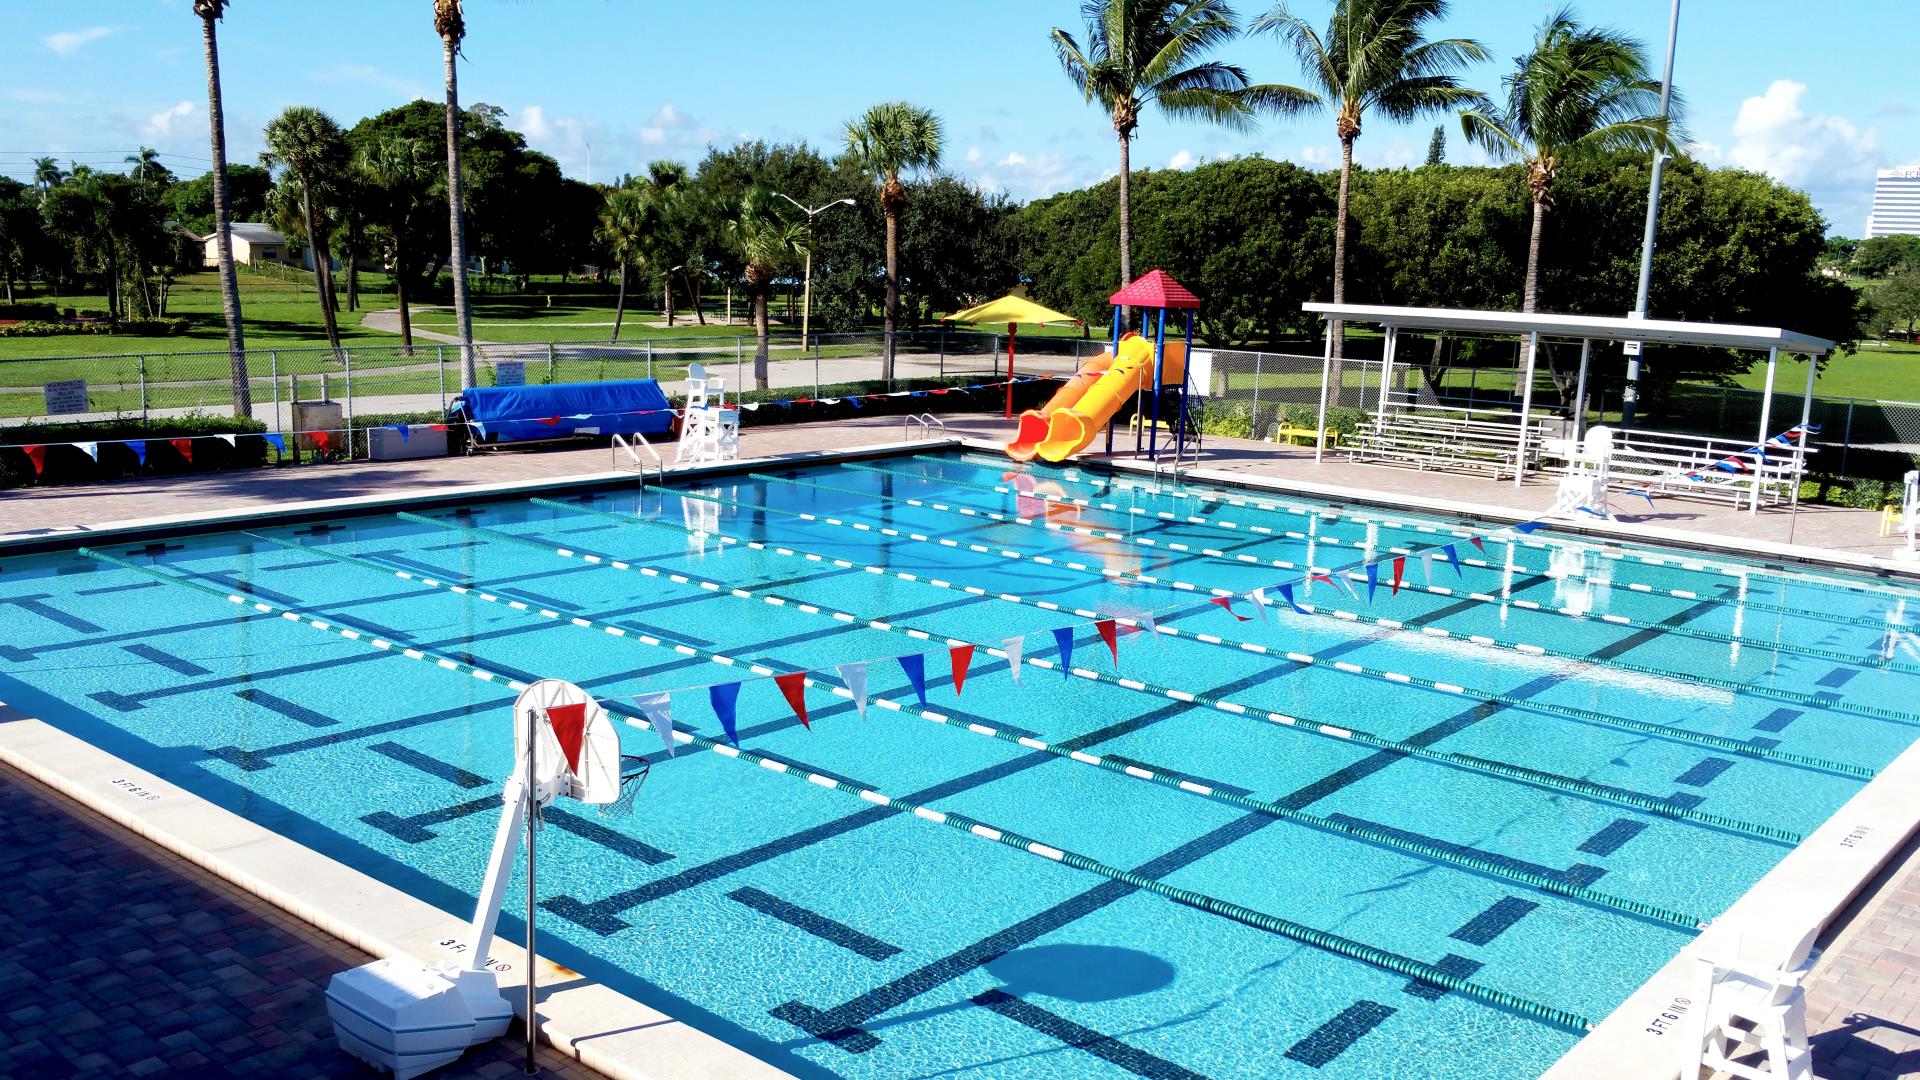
(1864, 993)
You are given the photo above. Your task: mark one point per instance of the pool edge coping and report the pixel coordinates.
(603, 1029)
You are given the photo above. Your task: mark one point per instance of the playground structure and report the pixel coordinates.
(1133, 368)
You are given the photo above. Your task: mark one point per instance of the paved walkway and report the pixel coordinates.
(126, 961)
(1863, 997)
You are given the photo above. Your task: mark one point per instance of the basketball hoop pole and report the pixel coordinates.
(533, 820)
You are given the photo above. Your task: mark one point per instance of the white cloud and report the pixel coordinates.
(39, 97)
(974, 156)
(567, 139)
(1774, 136)
(368, 75)
(1706, 153)
(1043, 174)
(68, 42)
(160, 124)
(668, 126)
(1319, 155)
(1223, 156)
(1181, 160)
(1013, 160)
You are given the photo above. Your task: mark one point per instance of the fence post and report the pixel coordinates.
(440, 357)
(649, 358)
(273, 367)
(740, 364)
(1256, 388)
(143, 389)
(816, 365)
(943, 351)
(549, 362)
(1846, 439)
(347, 358)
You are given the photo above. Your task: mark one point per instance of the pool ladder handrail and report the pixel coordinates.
(633, 451)
(926, 421)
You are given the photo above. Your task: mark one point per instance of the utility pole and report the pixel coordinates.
(806, 305)
(1631, 396)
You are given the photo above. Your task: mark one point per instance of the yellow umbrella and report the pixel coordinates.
(1010, 311)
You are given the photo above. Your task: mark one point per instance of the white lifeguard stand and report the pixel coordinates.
(709, 430)
(1583, 489)
(1754, 1023)
(1910, 517)
(408, 1017)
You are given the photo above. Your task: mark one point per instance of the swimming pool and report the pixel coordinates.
(1243, 844)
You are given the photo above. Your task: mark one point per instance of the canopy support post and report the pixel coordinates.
(1800, 444)
(1766, 420)
(1326, 379)
(1387, 355)
(1580, 392)
(1013, 334)
(1526, 407)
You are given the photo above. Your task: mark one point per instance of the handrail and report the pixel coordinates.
(926, 421)
(632, 449)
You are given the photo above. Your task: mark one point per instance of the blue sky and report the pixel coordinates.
(1795, 89)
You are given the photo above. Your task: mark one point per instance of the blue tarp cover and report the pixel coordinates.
(516, 413)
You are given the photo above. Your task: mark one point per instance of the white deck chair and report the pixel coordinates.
(1754, 1009)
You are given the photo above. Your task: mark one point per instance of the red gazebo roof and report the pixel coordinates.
(1155, 290)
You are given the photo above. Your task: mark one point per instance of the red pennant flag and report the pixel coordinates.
(570, 727)
(1226, 602)
(37, 455)
(320, 440)
(550, 421)
(185, 447)
(437, 427)
(1111, 636)
(962, 656)
(794, 686)
(1323, 577)
(1399, 570)
(1476, 543)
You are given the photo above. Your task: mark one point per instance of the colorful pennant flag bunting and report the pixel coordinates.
(91, 449)
(725, 696)
(855, 676)
(37, 455)
(1475, 541)
(405, 435)
(1527, 526)
(1012, 646)
(915, 666)
(1258, 598)
(1373, 580)
(1063, 639)
(961, 656)
(1426, 565)
(793, 685)
(1110, 634)
(139, 448)
(1226, 604)
(658, 708)
(569, 723)
(278, 442)
(184, 447)
(1454, 558)
(322, 441)
(1286, 593)
(1399, 573)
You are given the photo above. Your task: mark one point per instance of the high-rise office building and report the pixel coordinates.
(1896, 202)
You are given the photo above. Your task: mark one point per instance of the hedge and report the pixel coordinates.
(71, 465)
(140, 325)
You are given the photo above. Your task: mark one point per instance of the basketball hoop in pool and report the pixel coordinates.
(408, 1017)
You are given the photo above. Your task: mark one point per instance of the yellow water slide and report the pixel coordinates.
(1071, 429)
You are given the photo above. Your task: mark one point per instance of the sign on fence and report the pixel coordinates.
(66, 396)
(510, 373)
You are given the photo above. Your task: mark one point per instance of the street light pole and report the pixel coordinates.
(806, 302)
(1631, 396)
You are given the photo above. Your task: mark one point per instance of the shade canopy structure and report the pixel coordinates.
(1010, 311)
(1154, 289)
(1586, 329)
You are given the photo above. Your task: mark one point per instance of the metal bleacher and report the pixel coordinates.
(1437, 437)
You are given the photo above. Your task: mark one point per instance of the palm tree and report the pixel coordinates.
(1580, 90)
(397, 175)
(769, 243)
(47, 174)
(147, 168)
(1152, 52)
(307, 143)
(209, 12)
(666, 182)
(892, 138)
(450, 23)
(626, 228)
(1374, 55)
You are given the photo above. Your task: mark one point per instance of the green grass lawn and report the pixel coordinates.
(1885, 370)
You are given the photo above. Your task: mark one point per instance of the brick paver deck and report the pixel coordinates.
(122, 960)
(1863, 996)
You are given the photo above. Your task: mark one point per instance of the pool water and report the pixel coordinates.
(1534, 773)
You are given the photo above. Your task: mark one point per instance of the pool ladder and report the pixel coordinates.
(922, 424)
(639, 463)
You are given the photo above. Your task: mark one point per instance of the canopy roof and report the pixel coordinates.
(1597, 327)
(1010, 309)
(1154, 289)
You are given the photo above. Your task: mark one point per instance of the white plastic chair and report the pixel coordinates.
(1756, 1009)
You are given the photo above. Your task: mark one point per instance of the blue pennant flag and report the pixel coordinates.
(402, 429)
(856, 401)
(723, 696)
(1454, 558)
(139, 448)
(278, 442)
(1063, 638)
(1526, 526)
(1373, 580)
(1286, 593)
(915, 666)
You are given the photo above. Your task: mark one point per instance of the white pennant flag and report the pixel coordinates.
(1152, 626)
(1258, 598)
(1426, 565)
(855, 676)
(1011, 646)
(660, 714)
(228, 439)
(91, 449)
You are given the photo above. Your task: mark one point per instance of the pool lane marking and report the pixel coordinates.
(1306, 935)
(1571, 712)
(1351, 575)
(1242, 529)
(1137, 769)
(1504, 770)
(1390, 624)
(1324, 513)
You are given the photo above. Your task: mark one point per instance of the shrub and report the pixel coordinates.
(138, 325)
(70, 465)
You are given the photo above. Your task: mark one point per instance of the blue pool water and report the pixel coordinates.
(1648, 730)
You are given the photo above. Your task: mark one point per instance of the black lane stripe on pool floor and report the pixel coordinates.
(820, 926)
(1105, 1047)
(1331, 1039)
